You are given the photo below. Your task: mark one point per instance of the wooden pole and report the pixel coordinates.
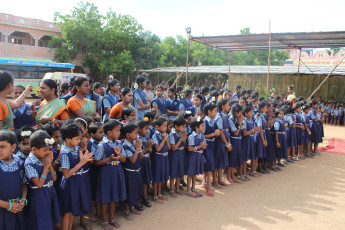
(325, 78)
(299, 61)
(187, 59)
(269, 55)
(229, 73)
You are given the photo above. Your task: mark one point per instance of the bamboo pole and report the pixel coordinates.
(299, 60)
(269, 55)
(306, 66)
(187, 60)
(325, 78)
(229, 73)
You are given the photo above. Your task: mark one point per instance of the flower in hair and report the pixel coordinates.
(294, 107)
(198, 119)
(26, 133)
(49, 141)
(55, 124)
(271, 102)
(36, 126)
(213, 99)
(118, 99)
(136, 85)
(72, 92)
(188, 112)
(146, 119)
(123, 121)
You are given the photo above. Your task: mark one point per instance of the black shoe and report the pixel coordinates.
(146, 203)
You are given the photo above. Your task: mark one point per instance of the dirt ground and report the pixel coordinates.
(305, 195)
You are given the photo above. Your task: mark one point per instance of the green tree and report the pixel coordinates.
(335, 50)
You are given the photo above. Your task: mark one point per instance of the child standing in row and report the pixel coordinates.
(13, 190)
(75, 199)
(196, 146)
(111, 187)
(161, 160)
(177, 140)
(43, 206)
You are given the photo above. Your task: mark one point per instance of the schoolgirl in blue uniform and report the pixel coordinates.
(145, 163)
(13, 190)
(173, 104)
(290, 134)
(260, 137)
(280, 136)
(111, 98)
(320, 123)
(196, 146)
(336, 115)
(111, 187)
(150, 116)
(307, 133)
(159, 104)
(205, 91)
(197, 99)
(23, 140)
(235, 123)
(160, 168)
(132, 167)
(300, 127)
(54, 132)
(332, 115)
(186, 103)
(270, 149)
(314, 127)
(23, 114)
(249, 129)
(178, 141)
(210, 133)
(222, 143)
(75, 191)
(140, 102)
(96, 132)
(43, 206)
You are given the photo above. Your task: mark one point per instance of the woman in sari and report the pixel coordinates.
(291, 98)
(6, 107)
(126, 99)
(78, 105)
(51, 108)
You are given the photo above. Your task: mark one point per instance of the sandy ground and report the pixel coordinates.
(305, 195)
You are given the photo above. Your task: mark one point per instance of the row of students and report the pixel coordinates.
(216, 139)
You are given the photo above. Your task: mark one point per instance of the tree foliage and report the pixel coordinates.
(117, 44)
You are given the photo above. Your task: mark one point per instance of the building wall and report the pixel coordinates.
(304, 85)
(320, 58)
(35, 30)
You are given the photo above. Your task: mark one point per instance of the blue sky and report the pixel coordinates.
(205, 17)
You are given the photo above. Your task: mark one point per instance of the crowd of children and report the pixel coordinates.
(84, 167)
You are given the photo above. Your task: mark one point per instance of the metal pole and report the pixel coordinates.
(229, 71)
(187, 59)
(269, 55)
(6, 37)
(299, 61)
(325, 79)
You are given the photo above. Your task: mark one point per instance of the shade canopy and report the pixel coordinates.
(278, 41)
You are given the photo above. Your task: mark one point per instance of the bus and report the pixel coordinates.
(31, 71)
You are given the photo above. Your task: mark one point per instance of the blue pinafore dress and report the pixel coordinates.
(306, 138)
(209, 151)
(161, 104)
(11, 188)
(160, 169)
(270, 149)
(291, 133)
(43, 205)
(221, 156)
(75, 191)
(298, 130)
(176, 160)
(145, 164)
(235, 159)
(259, 148)
(195, 159)
(247, 144)
(282, 151)
(111, 185)
(134, 186)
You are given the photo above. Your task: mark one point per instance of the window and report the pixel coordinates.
(17, 41)
(321, 55)
(302, 55)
